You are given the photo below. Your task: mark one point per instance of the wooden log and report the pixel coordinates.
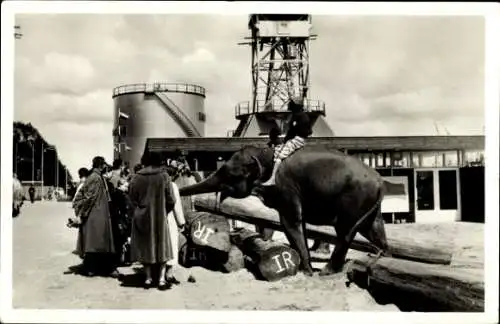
(193, 255)
(272, 261)
(422, 247)
(414, 286)
(208, 229)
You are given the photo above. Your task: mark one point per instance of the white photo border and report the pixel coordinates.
(490, 11)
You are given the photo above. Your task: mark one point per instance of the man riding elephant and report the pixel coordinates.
(312, 186)
(299, 130)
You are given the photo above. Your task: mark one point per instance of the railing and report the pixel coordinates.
(159, 87)
(244, 108)
(181, 118)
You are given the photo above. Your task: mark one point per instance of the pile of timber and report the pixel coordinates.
(208, 242)
(251, 210)
(418, 277)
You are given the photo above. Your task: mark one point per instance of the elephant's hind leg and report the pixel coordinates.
(337, 260)
(375, 233)
(372, 227)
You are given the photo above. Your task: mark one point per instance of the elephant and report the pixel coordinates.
(313, 186)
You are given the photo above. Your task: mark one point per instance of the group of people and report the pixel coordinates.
(125, 217)
(118, 211)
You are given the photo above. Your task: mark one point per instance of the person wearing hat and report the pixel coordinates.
(299, 130)
(95, 243)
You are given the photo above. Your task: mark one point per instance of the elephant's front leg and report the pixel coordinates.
(291, 219)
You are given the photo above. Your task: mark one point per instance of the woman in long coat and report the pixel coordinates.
(152, 199)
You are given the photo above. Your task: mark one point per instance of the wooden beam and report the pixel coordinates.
(425, 249)
(414, 286)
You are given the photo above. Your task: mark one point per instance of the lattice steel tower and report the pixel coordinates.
(280, 73)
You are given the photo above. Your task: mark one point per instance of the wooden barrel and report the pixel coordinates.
(207, 229)
(272, 260)
(192, 255)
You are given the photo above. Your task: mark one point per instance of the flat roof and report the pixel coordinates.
(378, 143)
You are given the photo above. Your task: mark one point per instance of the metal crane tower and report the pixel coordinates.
(280, 73)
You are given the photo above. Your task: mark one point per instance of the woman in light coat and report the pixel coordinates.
(174, 217)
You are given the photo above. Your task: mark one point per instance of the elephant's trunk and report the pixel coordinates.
(210, 184)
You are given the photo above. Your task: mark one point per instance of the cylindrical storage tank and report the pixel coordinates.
(155, 110)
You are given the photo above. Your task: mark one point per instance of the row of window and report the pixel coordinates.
(454, 158)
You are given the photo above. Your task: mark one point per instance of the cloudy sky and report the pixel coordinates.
(378, 75)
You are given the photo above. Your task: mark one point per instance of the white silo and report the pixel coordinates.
(155, 110)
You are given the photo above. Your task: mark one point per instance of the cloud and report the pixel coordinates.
(399, 68)
(74, 73)
(378, 75)
(200, 56)
(50, 107)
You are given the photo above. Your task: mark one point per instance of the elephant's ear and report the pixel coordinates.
(253, 167)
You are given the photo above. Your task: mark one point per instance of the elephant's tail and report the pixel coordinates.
(378, 202)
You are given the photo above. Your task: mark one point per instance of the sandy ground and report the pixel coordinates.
(42, 254)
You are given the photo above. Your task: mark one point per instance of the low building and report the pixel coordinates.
(443, 175)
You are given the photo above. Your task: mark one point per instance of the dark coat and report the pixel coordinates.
(152, 199)
(91, 203)
(300, 125)
(119, 210)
